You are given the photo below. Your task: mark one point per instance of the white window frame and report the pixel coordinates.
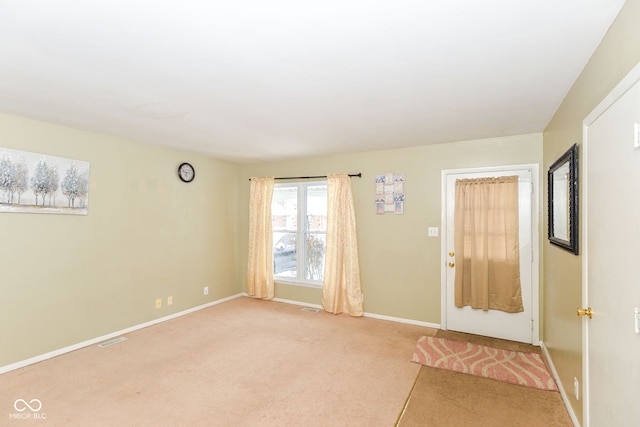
(301, 232)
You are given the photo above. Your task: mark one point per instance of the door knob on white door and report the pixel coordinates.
(585, 312)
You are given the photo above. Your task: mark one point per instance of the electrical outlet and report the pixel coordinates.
(169, 300)
(576, 388)
(206, 290)
(158, 302)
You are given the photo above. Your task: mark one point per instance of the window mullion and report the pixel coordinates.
(302, 230)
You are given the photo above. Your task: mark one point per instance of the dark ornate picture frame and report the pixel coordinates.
(563, 201)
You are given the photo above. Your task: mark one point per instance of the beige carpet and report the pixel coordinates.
(256, 363)
(242, 363)
(446, 398)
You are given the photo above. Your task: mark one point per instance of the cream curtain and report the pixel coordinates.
(486, 243)
(341, 291)
(260, 263)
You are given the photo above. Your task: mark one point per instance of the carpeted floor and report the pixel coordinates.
(243, 363)
(256, 363)
(442, 398)
(446, 398)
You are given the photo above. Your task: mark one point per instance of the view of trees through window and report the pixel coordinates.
(299, 215)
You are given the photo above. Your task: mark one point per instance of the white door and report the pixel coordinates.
(493, 323)
(611, 258)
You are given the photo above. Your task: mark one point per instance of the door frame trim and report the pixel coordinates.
(616, 93)
(535, 240)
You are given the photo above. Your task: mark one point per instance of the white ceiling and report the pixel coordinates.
(260, 80)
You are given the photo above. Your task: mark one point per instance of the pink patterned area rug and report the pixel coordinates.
(514, 367)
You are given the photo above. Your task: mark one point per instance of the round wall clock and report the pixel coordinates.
(186, 172)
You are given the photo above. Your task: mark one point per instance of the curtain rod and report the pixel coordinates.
(359, 175)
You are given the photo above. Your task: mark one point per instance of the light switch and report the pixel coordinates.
(637, 320)
(433, 231)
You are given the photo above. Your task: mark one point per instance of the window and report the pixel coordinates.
(299, 215)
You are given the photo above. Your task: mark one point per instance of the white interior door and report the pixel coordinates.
(493, 323)
(611, 258)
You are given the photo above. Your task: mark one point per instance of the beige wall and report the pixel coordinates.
(66, 279)
(148, 235)
(618, 53)
(399, 264)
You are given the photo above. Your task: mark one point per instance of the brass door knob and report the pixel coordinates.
(452, 253)
(452, 264)
(587, 312)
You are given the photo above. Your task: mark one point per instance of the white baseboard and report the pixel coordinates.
(68, 349)
(372, 315)
(403, 320)
(563, 393)
(303, 304)
(54, 353)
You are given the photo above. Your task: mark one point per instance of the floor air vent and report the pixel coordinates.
(112, 342)
(310, 309)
